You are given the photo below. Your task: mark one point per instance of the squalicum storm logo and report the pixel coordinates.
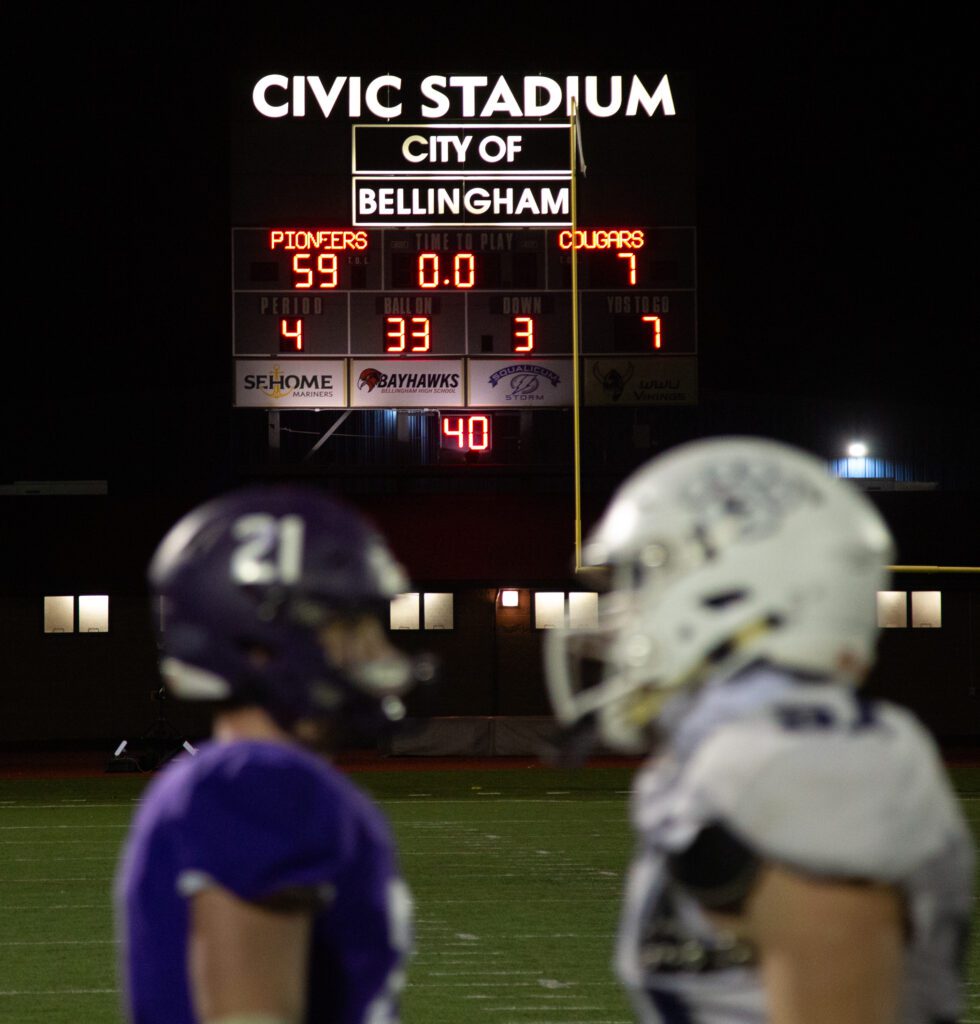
(525, 379)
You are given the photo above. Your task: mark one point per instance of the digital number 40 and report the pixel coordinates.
(470, 433)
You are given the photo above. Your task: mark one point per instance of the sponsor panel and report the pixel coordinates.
(509, 383)
(406, 383)
(641, 380)
(290, 383)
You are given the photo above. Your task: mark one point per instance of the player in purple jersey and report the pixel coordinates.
(800, 856)
(258, 885)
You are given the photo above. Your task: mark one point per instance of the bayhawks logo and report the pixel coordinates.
(525, 379)
(369, 379)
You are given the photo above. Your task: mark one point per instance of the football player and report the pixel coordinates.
(801, 858)
(258, 885)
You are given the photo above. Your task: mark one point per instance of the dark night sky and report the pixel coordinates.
(835, 223)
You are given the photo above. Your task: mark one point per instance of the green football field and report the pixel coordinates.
(516, 875)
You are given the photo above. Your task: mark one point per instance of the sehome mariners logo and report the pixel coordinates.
(371, 378)
(526, 380)
(285, 385)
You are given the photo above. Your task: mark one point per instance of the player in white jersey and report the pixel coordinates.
(800, 857)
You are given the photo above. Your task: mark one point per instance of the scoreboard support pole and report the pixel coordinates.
(326, 437)
(273, 433)
(576, 397)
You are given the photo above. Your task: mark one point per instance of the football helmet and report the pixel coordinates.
(251, 579)
(720, 553)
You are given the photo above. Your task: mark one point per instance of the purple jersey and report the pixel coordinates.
(263, 820)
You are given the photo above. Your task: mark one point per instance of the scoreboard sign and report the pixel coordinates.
(520, 383)
(388, 383)
(293, 384)
(416, 236)
(463, 176)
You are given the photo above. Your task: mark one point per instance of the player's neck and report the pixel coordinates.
(249, 723)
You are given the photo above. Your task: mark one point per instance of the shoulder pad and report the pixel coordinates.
(827, 789)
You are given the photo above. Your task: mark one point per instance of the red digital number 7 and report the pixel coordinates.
(655, 321)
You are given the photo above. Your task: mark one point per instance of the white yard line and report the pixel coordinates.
(73, 806)
(477, 974)
(31, 881)
(524, 900)
(56, 842)
(74, 828)
(611, 983)
(59, 992)
(56, 860)
(61, 906)
(65, 942)
(506, 800)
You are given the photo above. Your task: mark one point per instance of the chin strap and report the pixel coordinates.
(647, 706)
(741, 638)
(738, 641)
(649, 702)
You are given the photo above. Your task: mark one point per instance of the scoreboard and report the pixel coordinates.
(434, 270)
(348, 292)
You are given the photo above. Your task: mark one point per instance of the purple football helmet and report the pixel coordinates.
(249, 579)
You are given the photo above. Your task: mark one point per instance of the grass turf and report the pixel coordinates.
(516, 876)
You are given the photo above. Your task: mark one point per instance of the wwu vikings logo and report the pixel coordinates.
(613, 382)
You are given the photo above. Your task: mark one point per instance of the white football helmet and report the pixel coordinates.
(721, 552)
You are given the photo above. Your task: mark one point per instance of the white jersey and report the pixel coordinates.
(806, 775)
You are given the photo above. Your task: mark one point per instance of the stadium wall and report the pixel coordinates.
(83, 688)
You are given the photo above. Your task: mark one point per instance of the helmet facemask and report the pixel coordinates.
(621, 674)
(721, 554)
